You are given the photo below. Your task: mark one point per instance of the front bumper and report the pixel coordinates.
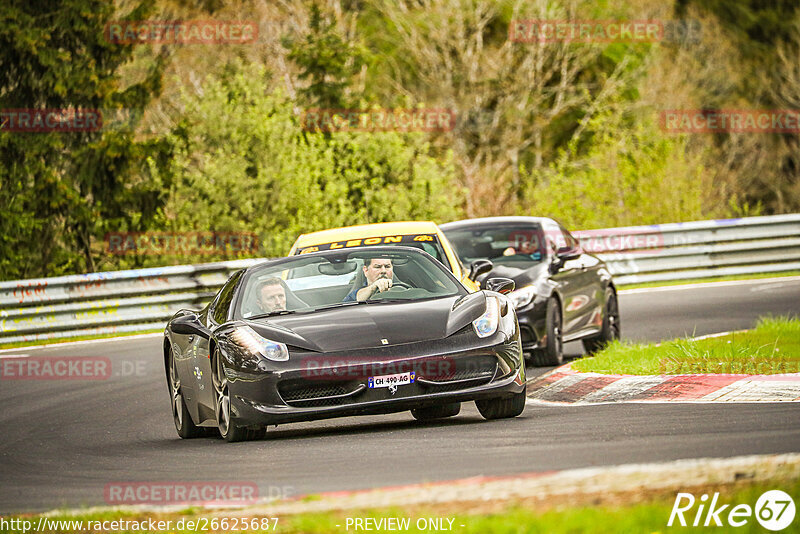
(533, 324)
(314, 386)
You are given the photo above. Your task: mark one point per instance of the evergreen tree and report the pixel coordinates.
(61, 191)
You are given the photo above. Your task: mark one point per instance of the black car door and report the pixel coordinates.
(589, 295)
(568, 280)
(218, 313)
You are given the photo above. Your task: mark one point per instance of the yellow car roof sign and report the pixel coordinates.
(364, 231)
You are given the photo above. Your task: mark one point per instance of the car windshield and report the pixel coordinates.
(324, 280)
(426, 242)
(513, 246)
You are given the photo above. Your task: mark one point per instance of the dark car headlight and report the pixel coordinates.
(259, 346)
(522, 296)
(486, 324)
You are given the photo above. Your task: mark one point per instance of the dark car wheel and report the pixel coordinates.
(436, 412)
(503, 407)
(222, 407)
(553, 352)
(180, 414)
(611, 325)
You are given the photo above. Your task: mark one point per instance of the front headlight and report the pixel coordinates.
(486, 324)
(522, 296)
(256, 344)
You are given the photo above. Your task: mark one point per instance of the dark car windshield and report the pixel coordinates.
(312, 282)
(510, 245)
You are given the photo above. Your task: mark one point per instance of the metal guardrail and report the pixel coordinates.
(144, 299)
(702, 249)
(107, 302)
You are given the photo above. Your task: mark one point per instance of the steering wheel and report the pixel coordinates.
(399, 285)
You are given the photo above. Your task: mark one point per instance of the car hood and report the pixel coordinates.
(363, 326)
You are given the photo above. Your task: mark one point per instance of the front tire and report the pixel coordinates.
(611, 324)
(436, 412)
(222, 407)
(553, 352)
(180, 414)
(502, 408)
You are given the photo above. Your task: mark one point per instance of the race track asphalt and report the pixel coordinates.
(63, 442)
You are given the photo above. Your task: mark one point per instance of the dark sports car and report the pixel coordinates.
(322, 335)
(562, 293)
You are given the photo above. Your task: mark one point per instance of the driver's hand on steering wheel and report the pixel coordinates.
(380, 285)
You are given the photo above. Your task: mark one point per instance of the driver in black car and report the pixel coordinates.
(378, 272)
(272, 295)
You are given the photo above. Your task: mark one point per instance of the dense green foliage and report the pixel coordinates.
(62, 191)
(238, 142)
(617, 178)
(215, 139)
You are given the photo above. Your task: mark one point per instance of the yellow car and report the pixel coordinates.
(423, 235)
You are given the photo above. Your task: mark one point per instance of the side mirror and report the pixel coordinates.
(479, 267)
(500, 285)
(567, 254)
(189, 325)
(563, 255)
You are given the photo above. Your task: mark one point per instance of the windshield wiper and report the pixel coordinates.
(271, 314)
(432, 297)
(338, 305)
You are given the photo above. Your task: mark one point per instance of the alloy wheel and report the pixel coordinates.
(613, 317)
(175, 390)
(557, 330)
(222, 399)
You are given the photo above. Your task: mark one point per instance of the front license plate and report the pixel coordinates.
(385, 381)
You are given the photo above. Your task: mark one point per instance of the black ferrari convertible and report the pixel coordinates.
(340, 333)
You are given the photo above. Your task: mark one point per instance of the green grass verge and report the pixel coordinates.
(773, 347)
(23, 344)
(631, 512)
(712, 279)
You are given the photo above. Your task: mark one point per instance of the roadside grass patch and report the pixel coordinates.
(631, 511)
(729, 278)
(773, 347)
(56, 341)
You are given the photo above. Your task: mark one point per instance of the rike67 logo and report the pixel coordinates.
(774, 510)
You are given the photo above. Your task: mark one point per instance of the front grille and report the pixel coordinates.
(480, 372)
(303, 393)
(469, 370)
(470, 373)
